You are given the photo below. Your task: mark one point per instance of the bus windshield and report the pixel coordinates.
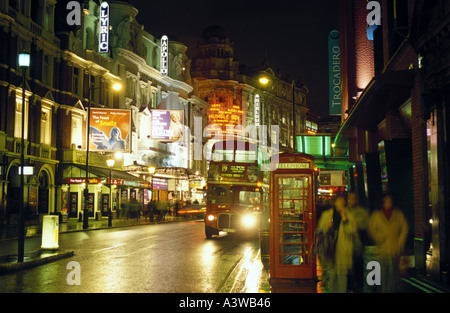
(218, 194)
(249, 197)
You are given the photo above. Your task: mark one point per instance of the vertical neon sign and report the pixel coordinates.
(103, 45)
(257, 110)
(164, 55)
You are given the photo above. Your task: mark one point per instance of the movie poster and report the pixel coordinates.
(167, 125)
(110, 130)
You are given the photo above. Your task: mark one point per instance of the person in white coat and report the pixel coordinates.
(339, 219)
(389, 229)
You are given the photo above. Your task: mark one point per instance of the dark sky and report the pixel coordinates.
(293, 33)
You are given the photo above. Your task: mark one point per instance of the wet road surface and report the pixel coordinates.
(172, 257)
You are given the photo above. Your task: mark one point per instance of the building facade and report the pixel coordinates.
(237, 96)
(67, 75)
(393, 117)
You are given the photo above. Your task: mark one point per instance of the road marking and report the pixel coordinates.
(426, 285)
(109, 248)
(145, 238)
(416, 285)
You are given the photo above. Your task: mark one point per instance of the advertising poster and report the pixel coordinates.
(167, 125)
(110, 130)
(160, 183)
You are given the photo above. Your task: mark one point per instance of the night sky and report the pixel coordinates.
(294, 34)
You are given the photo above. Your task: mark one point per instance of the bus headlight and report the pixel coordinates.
(249, 220)
(210, 218)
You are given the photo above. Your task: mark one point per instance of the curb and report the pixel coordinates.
(103, 227)
(14, 267)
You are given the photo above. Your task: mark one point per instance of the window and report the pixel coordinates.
(249, 197)
(18, 119)
(107, 94)
(47, 69)
(76, 81)
(154, 100)
(23, 6)
(92, 89)
(48, 18)
(223, 155)
(143, 92)
(77, 131)
(218, 194)
(46, 126)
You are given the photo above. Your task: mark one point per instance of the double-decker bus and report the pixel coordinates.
(237, 189)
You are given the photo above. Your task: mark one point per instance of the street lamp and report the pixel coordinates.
(110, 163)
(24, 64)
(264, 80)
(151, 170)
(116, 87)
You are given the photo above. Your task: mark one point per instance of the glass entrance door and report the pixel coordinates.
(294, 227)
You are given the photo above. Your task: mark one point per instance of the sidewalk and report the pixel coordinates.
(9, 232)
(33, 258)
(414, 283)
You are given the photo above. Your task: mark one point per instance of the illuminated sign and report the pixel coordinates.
(27, 170)
(257, 110)
(160, 183)
(110, 130)
(289, 166)
(82, 180)
(222, 115)
(167, 125)
(103, 33)
(334, 72)
(164, 55)
(233, 171)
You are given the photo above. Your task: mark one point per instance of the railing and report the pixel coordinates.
(18, 146)
(35, 28)
(95, 159)
(45, 151)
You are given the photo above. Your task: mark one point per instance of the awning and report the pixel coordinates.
(386, 91)
(126, 178)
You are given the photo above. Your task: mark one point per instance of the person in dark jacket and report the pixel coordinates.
(151, 210)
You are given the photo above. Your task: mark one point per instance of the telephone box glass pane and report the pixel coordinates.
(293, 202)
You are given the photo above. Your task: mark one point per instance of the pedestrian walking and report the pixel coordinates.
(151, 210)
(361, 216)
(337, 227)
(176, 207)
(389, 229)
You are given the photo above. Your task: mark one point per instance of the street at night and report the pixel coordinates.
(162, 258)
(236, 149)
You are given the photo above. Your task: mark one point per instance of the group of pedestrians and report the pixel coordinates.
(158, 210)
(344, 231)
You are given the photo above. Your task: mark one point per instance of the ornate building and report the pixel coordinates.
(233, 90)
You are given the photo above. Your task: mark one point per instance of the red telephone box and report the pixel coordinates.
(292, 217)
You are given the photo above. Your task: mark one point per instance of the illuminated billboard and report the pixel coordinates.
(167, 125)
(110, 130)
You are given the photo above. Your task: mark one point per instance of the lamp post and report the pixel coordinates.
(264, 81)
(293, 118)
(110, 163)
(116, 87)
(151, 170)
(24, 64)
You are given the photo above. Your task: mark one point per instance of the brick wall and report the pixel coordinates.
(420, 162)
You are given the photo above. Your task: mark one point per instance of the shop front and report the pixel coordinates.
(107, 189)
